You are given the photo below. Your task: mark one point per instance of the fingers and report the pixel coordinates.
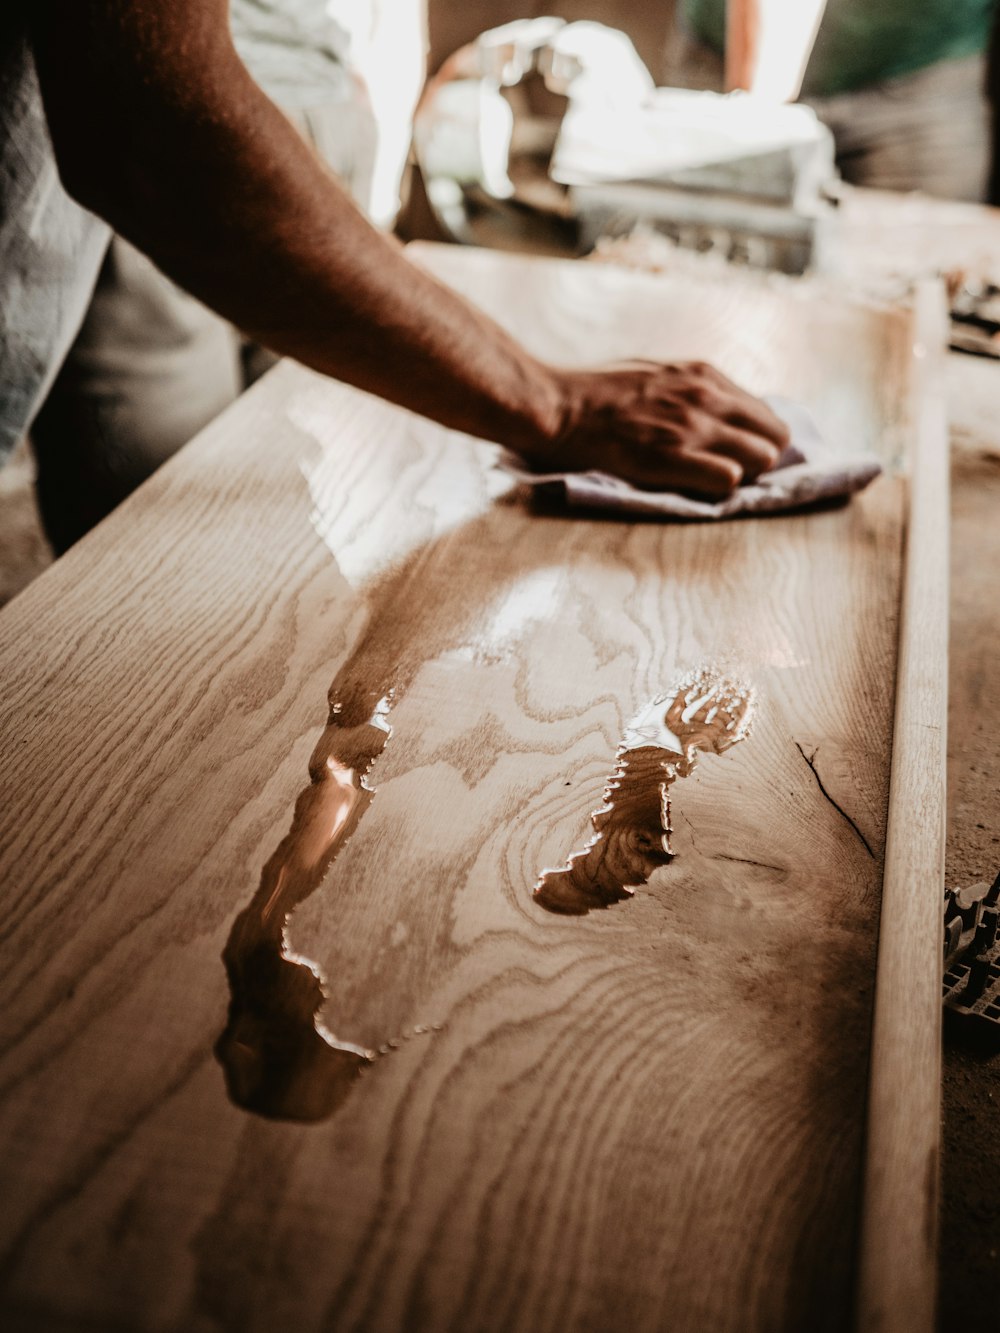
(737, 407)
(714, 458)
(754, 453)
(754, 415)
(705, 473)
(672, 426)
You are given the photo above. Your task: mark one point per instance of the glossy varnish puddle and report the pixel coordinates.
(279, 1060)
(706, 711)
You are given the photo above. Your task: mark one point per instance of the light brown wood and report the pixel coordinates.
(742, 38)
(898, 1281)
(649, 1117)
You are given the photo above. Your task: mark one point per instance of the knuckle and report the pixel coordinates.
(698, 395)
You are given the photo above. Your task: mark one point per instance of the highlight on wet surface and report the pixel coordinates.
(279, 1060)
(706, 711)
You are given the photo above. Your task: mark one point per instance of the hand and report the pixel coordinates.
(677, 426)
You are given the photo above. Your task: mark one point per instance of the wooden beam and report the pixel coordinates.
(742, 38)
(898, 1278)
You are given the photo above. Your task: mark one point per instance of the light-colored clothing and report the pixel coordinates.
(50, 248)
(293, 49)
(152, 366)
(865, 42)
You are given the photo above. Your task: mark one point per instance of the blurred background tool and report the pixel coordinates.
(549, 135)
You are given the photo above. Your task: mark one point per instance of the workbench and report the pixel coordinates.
(653, 1116)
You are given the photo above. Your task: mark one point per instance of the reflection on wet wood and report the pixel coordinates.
(644, 1118)
(278, 1060)
(632, 828)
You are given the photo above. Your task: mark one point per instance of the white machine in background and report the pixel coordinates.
(551, 135)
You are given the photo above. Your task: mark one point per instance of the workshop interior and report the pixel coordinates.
(499, 696)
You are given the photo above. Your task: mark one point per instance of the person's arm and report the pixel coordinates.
(768, 45)
(159, 128)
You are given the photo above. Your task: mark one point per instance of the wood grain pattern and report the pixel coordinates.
(645, 1118)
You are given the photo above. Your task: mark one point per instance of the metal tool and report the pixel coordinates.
(597, 150)
(972, 961)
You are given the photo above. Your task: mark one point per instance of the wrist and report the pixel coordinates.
(544, 446)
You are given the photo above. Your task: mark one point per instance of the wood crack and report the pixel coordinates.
(747, 861)
(810, 760)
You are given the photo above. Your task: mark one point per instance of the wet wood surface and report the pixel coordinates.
(646, 1117)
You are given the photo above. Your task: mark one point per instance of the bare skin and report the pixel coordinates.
(159, 128)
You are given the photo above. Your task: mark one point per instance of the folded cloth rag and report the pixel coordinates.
(809, 471)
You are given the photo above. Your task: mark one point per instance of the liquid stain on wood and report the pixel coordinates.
(279, 1060)
(706, 711)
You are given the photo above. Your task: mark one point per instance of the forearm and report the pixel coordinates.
(202, 172)
(768, 44)
(159, 128)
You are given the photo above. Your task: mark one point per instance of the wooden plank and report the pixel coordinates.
(641, 1118)
(898, 1282)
